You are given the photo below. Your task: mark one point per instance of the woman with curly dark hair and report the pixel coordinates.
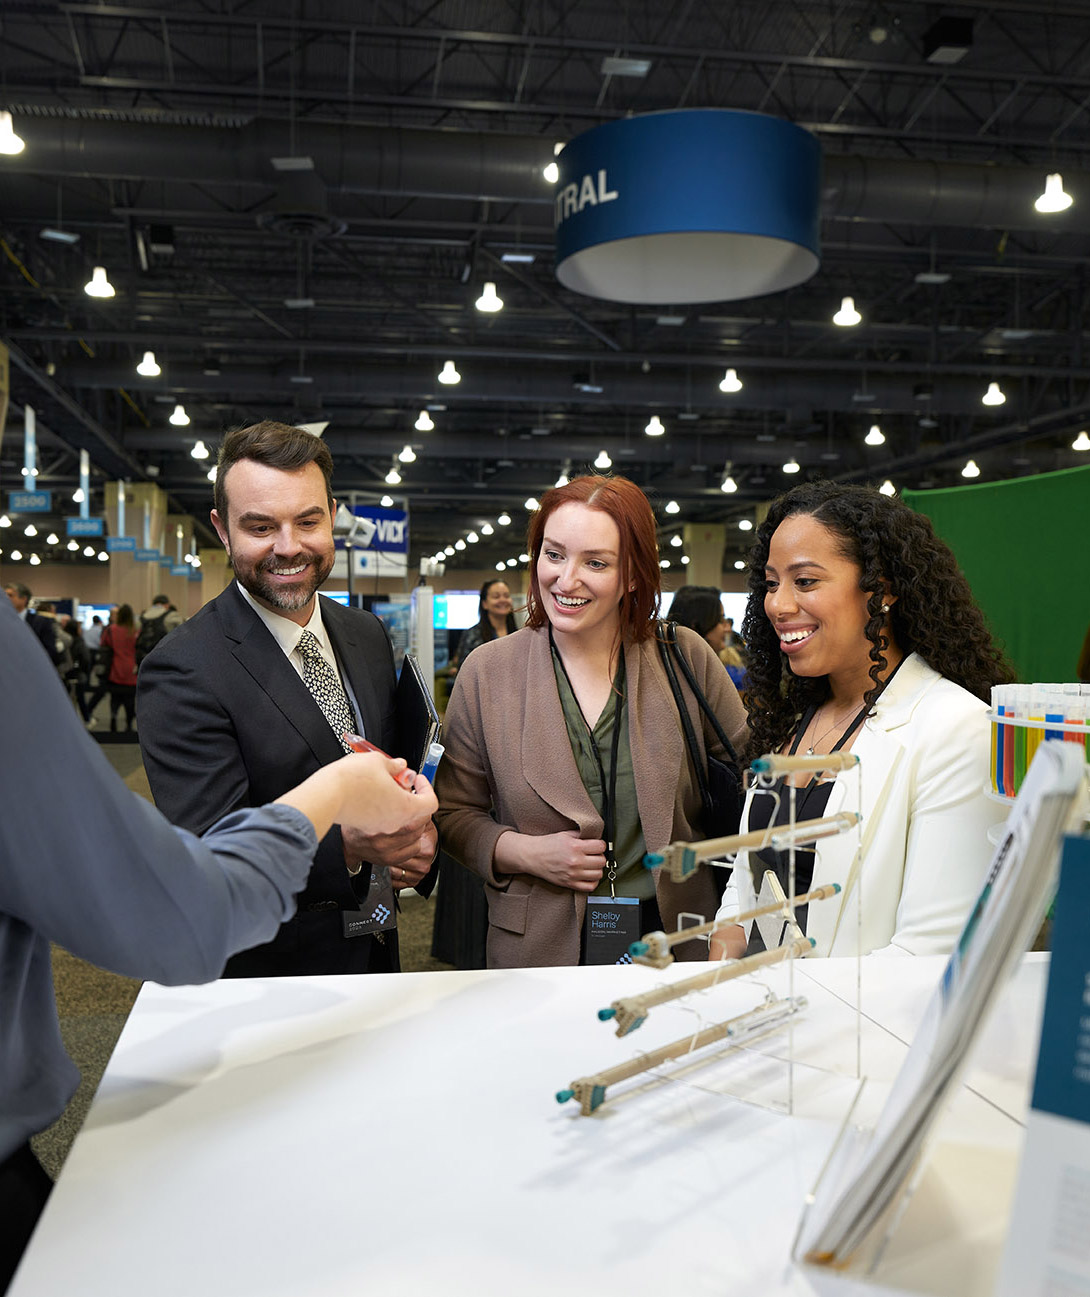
(863, 634)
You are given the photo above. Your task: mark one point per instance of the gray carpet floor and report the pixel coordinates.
(93, 1005)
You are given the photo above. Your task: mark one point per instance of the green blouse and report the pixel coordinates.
(632, 878)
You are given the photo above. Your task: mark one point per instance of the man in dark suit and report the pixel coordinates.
(227, 720)
(20, 596)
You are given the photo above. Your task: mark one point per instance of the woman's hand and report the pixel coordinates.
(564, 859)
(728, 942)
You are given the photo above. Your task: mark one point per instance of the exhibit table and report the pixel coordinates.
(399, 1134)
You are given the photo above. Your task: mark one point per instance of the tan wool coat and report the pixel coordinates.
(509, 766)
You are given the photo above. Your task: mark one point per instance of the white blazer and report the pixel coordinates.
(921, 788)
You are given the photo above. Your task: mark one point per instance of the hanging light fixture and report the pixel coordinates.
(179, 418)
(603, 460)
(30, 530)
(655, 427)
(672, 506)
(1081, 442)
(448, 374)
(489, 301)
(393, 477)
(407, 455)
(847, 315)
(1053, 199)
(148, 368)
(472, 537)
(10, 143)
(52, 539)
(970, 469)
(792, 465)
(487, 529)
(459, 545)
(34, 560)
(551, 172)
(77, 495)
(728, 485)
(16, 555)
(212, 473)
(676, 541)
(563, 479)
(448, 550)
(199, 451)
(887, 488)
(994, 395)
(72, 545)
(103, 557)
(504, 519)
(685, 559)
(876, 437)
(5, 521)
(88, 551)
(739, 564)
(730, 382)
(512, 562)
(530, 504)
(387, 502)
(425, 423)
(745, 524)
(98, 285)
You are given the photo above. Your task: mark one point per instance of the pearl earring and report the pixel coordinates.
(885, 608)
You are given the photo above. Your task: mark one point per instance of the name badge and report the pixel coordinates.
(612, 925)
(376, 913)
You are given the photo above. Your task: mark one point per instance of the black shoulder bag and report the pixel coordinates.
(721, 784)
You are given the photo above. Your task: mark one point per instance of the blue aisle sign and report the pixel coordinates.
(146, 555)
(84, 526)
(391, 535)
(30, 501)
(120, 544)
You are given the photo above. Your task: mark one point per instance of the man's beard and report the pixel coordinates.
(288, 598)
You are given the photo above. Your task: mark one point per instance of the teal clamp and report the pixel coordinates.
(562, 1096)
(638, 948)
(604, 1015)
(652, 860)
(760, 765)
(689, 862)
(637, 1023)
(836, 889)
(597, 1097)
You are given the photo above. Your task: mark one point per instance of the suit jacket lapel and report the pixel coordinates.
(256, 650)
(879, 752)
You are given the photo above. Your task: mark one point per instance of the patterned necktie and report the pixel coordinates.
(324, 683)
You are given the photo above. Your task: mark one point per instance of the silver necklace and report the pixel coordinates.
(839, 721)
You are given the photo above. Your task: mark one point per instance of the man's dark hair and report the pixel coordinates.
(160, 598)
(276, 445)
(23, 591)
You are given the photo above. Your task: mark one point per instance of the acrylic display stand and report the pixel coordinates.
(743, 1041)
(871, 1174)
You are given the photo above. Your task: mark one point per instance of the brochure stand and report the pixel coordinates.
(870, 1175)
(734, 1019)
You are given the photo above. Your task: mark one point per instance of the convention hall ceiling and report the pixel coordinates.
(158, 133)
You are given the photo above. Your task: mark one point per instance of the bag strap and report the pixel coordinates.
(666, 638)
(690, 679)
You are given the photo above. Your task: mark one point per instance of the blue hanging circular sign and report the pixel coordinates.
(700, 205)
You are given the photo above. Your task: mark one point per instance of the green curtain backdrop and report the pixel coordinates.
(1025, 548)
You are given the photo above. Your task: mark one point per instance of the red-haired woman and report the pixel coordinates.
(565, 757)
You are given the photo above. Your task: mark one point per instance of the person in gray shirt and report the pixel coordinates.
(139, 897)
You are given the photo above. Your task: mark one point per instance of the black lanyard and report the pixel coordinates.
(609, 788)
(860, 716)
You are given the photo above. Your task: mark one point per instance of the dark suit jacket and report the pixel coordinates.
(226, 721)
(43, 628)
